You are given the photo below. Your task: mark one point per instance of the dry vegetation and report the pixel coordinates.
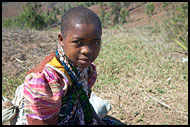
(134, 67)
(141, 74)
(143, 78)
(22, 50)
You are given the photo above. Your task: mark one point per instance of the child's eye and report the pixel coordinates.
(96, 42)
(76, 42)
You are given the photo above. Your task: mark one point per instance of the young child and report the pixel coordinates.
(57, 91)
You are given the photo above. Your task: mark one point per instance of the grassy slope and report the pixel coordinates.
(133, 67)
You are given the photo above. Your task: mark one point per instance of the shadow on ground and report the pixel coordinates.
(112, 118)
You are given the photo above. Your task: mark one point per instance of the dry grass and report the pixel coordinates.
(22, 50)
(133, 68)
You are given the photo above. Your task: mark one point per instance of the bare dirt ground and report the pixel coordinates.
(138, 16)
(19, 46)
(14, 8)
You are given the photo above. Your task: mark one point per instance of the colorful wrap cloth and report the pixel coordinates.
(43, 91)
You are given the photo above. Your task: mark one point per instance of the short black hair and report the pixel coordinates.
(79, 15)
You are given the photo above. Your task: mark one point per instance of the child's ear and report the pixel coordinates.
(60, 37)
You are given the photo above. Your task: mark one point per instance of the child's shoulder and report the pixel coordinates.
(41, 65)
(46, 74)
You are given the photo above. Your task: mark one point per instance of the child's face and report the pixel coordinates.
(82, 44)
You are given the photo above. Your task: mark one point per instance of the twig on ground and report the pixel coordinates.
(20, 61)
(161, 103)
(167, 106)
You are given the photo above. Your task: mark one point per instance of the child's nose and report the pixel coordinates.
(86, 50)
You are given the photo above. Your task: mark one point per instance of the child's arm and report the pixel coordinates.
(51, 121)
(42, 96)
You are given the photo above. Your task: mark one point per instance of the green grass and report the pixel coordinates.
(10, 84)
(130, 65)
(136, 62)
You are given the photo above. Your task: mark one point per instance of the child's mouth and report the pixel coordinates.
(84, 61)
